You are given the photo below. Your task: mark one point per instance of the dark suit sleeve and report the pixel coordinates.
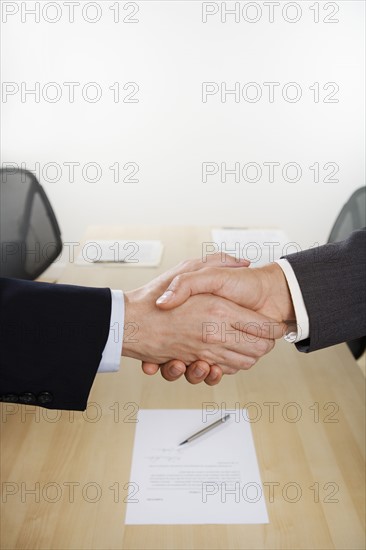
(51, 342)
(332, 279)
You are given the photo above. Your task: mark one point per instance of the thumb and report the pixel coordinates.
(204, 281)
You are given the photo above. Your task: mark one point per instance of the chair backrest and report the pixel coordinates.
(351, 217)
(30, 237)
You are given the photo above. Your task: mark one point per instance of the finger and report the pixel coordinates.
(228, 370)
(172, 370)
(252, 324)
(149, 368)
(196, 372)
(213, 260)
(214, 376)
(204, 281)
(220, 259)
(188, 266)
(231, 361)
(237, 356)
(253, 349)
(228, 322)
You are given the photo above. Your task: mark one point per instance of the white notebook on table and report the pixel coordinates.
(121, 253)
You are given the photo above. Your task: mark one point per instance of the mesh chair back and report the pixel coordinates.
(351, 217)
(30, 237)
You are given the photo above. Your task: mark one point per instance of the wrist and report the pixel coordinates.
(142, 337)
(278, 293)
(132, 326)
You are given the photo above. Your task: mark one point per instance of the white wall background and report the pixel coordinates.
(169, 132)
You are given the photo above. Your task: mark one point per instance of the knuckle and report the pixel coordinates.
(177, 280)
(249, 363)
(206, 356)
(263, 346)
(219, 310)
(214, 258)
(186, 265)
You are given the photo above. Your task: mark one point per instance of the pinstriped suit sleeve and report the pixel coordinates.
(332, 279)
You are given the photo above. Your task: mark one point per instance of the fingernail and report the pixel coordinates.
(174, 371)
(199, 372)
(165, 297)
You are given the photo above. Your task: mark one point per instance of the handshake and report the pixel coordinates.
(206, 319)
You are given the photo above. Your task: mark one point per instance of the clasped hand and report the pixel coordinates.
(206, 319)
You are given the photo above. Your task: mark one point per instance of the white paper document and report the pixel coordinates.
(260, 246)
(213, 479)
(132, 253)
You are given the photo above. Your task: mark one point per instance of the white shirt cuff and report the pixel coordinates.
(302, 318)
(113, 349)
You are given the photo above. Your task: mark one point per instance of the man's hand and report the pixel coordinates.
(263, 290)
(205, 328)
(197, 371)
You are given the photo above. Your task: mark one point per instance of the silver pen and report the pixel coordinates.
(207, 429)
(109, 262)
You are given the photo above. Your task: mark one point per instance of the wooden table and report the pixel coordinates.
(64, 474)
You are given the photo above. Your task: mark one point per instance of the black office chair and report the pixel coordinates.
(351, 217)
(30, 237)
